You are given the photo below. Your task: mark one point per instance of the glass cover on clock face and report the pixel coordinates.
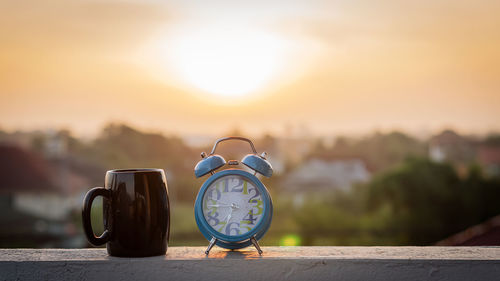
(232, 205)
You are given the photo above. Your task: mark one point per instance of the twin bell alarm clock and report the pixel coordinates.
(233, 208)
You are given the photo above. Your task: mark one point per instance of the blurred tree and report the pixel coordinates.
(419, 202)
(424, 200)
(492, 139)
(429, 202)
(121, 146)
(38, 143)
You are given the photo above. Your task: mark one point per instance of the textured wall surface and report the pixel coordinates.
(277, 263)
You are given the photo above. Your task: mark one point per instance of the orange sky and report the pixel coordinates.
(346, 67)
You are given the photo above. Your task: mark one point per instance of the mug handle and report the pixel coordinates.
(87, 225)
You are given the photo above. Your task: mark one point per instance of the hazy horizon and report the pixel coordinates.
(287, 131)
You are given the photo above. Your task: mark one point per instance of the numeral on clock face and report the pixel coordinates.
(232, 205)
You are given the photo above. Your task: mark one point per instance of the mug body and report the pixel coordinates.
(137, 212)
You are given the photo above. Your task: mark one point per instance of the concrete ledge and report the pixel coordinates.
(277, 263)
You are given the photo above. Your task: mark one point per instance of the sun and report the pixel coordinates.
(226, 61)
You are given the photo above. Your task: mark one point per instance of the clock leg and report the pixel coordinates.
(210, 245)
(256, 244)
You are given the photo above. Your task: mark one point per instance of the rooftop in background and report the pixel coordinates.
(484, 234)
(22, 170)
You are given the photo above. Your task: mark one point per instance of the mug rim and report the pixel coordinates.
(135, 170)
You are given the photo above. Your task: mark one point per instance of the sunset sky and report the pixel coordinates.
(205, 67)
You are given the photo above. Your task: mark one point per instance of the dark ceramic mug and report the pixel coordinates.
(136, 213)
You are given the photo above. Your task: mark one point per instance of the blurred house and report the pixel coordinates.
(317, 175)
(488, 157)
(448, 146)
(37, 200)
(484, 234)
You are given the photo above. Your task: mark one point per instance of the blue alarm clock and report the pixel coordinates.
(233, 208)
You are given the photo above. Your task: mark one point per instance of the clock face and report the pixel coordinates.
(232, 205)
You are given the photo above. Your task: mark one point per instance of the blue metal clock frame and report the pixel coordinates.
(239, 241)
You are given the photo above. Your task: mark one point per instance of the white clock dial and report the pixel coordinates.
(232, 205)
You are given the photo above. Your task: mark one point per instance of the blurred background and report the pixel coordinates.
(381, 119)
